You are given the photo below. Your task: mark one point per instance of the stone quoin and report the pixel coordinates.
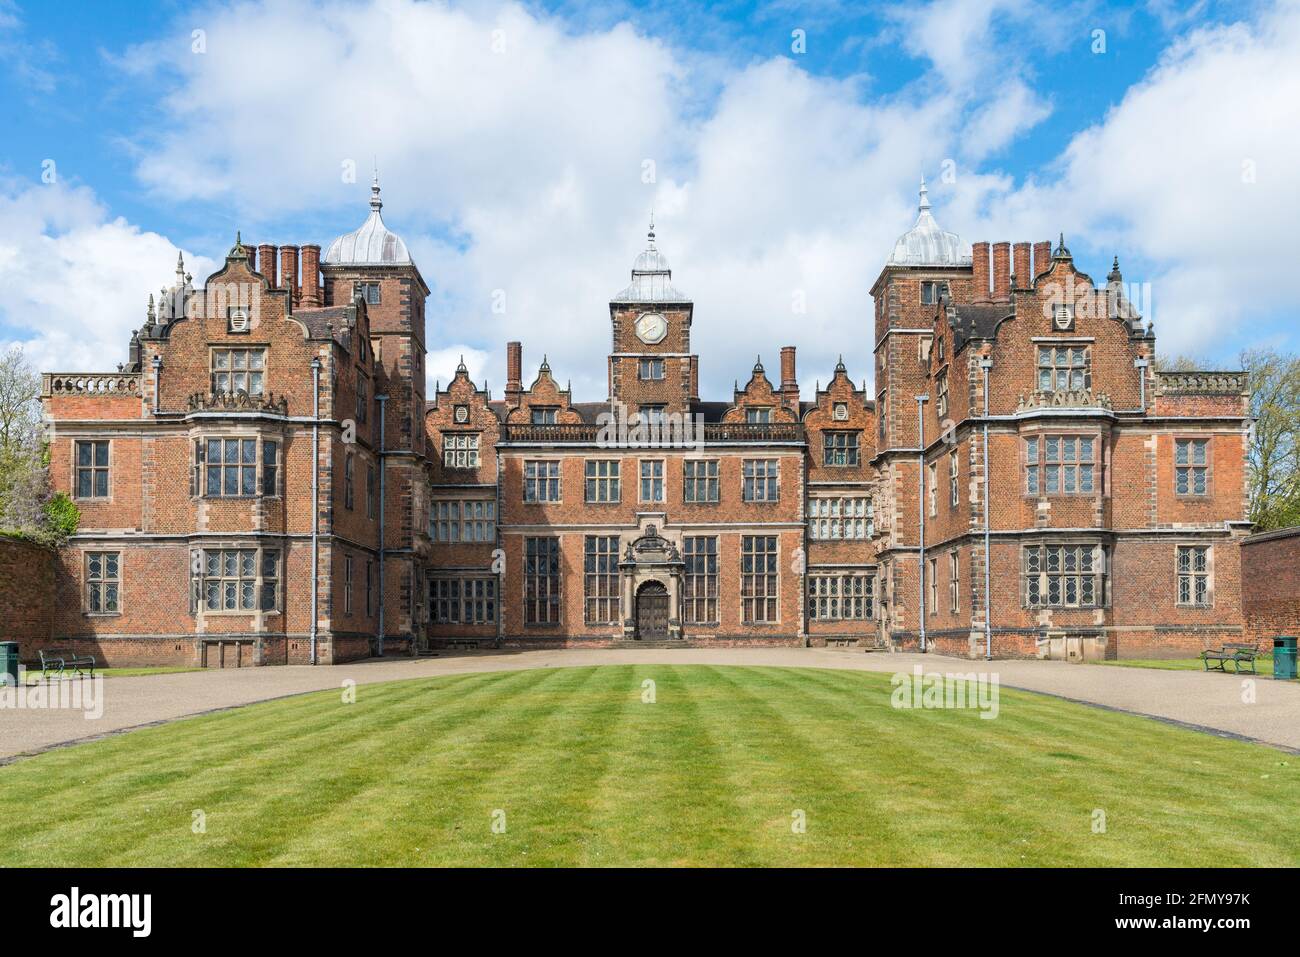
(264, 482)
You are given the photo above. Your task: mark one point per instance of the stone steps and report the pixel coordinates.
(665, 643)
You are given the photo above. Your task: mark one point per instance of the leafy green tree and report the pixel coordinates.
(1274, 455)
(22, 453)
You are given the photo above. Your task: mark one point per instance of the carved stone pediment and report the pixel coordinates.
(651, 549)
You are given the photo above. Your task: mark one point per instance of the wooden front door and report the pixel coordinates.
(652, 612)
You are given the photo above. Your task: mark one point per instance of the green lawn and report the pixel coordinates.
(709, 774)
(1263, 664)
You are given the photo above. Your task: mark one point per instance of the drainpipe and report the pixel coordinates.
(986, 364)
(157, 381)
(315, 496)
(501, 575)
(921, 400)
(383, 409)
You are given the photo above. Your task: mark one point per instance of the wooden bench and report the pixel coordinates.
(57, 661)
(1236, 652)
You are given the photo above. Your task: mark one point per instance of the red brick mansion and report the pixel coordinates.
(264, 481)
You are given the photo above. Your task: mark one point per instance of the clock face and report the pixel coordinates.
(651, 328)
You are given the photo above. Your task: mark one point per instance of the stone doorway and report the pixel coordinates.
(652, 612)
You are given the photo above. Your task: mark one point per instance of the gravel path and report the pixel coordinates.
(1211, 702)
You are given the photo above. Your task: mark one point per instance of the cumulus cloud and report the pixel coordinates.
(521, 156)
(73, 281)
(521, 160)
(1193, 171)
(441, 365)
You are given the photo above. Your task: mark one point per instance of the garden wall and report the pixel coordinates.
(26, 593)
(1270, 585)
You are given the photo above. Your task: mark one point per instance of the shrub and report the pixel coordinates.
(61, 517)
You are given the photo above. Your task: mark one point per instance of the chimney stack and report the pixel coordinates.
(789, 381)
(1020, 254)
(266, 262)
(695, 379)
(1001, 272)
(980, 271)
(514, 372)
(310, 293)
(289, 271)
(1042, 257)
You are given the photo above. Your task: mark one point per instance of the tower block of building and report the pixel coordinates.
(372, 264)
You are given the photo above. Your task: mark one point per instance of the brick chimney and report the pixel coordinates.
(980, 271)
(1001, 272)
(1042, 257)
(310, 291)
(695, 379)
(266, 262)
(514, 372)
(289, 271)
(1020, 259)
(789, 381)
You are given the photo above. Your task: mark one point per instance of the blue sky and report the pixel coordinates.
(512, 142)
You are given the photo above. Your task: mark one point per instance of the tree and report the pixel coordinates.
(1273, 459)
(24, 488)
(1179, 364)
(20, 405)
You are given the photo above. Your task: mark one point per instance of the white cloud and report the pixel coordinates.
(1166, 176)
(440, 366)
(73, 282)
(532, 160)
(518, 174)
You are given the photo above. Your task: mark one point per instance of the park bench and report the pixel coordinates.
(58, 661)
(1238, 653)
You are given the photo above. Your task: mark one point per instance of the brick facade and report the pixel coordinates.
(524, 522)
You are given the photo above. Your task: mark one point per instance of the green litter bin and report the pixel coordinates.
(1284, 658)
(9, 663)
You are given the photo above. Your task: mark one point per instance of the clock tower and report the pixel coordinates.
(651, 367)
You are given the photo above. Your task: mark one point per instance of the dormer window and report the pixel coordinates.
(932, 292)
(759, 416)
(543, 416)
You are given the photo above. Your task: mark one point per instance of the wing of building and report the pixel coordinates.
(264, 482)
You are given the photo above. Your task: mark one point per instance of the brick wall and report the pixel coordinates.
(26, 594)
(1270, 569)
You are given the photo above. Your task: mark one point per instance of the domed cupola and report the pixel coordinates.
(373, 244)
(926, 244)
(651, 277)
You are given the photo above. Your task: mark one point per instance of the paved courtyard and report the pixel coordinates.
(1212, 702)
